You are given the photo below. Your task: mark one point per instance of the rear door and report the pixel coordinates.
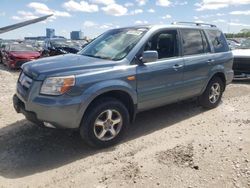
(197, 57)
(159, 82)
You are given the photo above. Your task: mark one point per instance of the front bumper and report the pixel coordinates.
(44, 114)
(20, 108)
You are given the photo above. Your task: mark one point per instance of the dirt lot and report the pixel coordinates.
(180, 145)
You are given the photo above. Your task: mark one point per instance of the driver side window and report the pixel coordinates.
(165, 43)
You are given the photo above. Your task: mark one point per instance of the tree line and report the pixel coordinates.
(244, 33)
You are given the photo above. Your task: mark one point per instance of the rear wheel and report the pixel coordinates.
(213, 93)
(105, 123)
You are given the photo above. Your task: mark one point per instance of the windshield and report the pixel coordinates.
(245, 44)
(22, 48)
(114, 44)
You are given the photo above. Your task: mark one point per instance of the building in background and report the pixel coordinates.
(50, 33)
(76, 35)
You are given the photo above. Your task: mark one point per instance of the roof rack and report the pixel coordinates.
(193, 23)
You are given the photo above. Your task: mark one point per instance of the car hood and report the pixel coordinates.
(241, 53)
(63, 65)
(25, 55)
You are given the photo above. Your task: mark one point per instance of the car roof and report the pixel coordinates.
(159, 26)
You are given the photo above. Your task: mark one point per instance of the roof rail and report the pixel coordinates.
(193, 23)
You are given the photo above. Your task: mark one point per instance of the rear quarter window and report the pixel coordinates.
(218, 41)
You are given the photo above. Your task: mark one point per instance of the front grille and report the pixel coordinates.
(25, 81)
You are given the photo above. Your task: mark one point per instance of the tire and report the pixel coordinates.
(97, 120)
(211, 98)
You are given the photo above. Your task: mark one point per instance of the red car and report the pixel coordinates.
(14, 55)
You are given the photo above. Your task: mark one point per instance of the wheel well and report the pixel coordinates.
(222, 77)
(122, 96)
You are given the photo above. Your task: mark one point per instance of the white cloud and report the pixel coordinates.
(104, 2)
(206, 16)
(115, 10)
(163, 3)
(89, 24)
(180, 3)
(166, 16)
(217, 4)
(239, 24)
(219, 21)
(41, 8)
(220, 14)
(23, 15)
(246, 12)
(140, 22)
(199, 21)
(136, 11)
(151, 10)
(129, 4)
(141, 2)
(106, 26)
(81, 6)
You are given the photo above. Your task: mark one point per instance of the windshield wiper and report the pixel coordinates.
(96, 56)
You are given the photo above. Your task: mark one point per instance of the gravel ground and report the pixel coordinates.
(179, 145)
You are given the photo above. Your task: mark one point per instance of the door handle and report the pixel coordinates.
(210, 61)
(177, 66)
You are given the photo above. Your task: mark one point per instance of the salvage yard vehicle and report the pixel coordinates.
(15, 55)
(122, 72)
(55, 47)
(3, 43)
(241, 65)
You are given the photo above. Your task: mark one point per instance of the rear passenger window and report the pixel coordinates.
(192, 42)
(218, 41)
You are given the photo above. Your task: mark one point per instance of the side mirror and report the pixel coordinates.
(149, 56)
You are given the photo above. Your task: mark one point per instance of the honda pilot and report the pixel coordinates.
(123, 72)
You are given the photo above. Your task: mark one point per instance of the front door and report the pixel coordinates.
(159, 82)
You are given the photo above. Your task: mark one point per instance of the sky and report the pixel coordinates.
(93, 17)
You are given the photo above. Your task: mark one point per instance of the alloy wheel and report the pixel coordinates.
(108, 125)
(215, 92)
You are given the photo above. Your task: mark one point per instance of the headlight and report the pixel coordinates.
(57, 85)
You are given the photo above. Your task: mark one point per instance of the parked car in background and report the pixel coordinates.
(233, 44)
(38, 45)
(241, 65)
(15, 55)
(122, 72)
(3, 43)
(55, 47)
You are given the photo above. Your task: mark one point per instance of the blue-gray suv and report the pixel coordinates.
(122, 72)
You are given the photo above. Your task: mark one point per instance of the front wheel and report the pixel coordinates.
(104, 123)
(213, 93)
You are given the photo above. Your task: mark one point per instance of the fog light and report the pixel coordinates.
(49, 125)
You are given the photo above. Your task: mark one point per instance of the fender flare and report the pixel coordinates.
(216, 69)
(103, 87)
